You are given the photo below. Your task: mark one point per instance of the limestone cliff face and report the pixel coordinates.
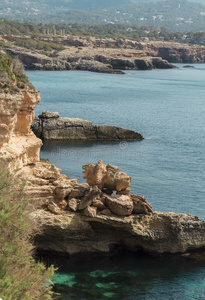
(18, 145)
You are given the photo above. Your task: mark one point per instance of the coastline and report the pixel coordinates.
(66, 206)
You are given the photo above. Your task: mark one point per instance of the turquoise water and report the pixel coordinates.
(130, 277)
(168, 108)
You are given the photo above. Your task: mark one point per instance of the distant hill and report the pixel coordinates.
(72, 4)
(177, 15)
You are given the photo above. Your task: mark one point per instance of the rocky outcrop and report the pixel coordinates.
(79, 218)
(144, 63)
(155, 233)
(93, 217)
(93, 63)
(177, 53)
(18, 145)
(49, 126)
(38, 61)
(107, 177)
(182, 55)
(96, 66)
(48, 188)
(108, 55)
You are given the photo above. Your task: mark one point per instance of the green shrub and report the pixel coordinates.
(11, 72)
(34, 44)
(20, 276)
(5, 65)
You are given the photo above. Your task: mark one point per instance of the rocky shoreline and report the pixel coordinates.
(49, 126)
(93, 63)
(108, 56)
(82, 218)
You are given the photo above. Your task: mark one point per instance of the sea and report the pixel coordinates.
(168, 167)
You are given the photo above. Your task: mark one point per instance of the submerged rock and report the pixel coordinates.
(189, 66)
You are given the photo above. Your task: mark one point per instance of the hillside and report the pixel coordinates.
(177, 15)
(48, 37)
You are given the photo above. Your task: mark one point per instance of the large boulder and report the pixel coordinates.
(88, 198)
(120, 205)
(140, 205)
(108, 177)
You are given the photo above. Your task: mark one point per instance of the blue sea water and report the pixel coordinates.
(168, 167)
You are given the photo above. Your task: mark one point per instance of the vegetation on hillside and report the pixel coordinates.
(12, 76)
(35, 43)
(20, 276)
(33, 37)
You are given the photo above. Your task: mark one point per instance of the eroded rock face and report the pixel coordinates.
(18, 145)
(155, 233)
(36, 61)
(182, 54)
(111, 63)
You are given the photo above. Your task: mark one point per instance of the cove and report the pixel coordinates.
(167, 107)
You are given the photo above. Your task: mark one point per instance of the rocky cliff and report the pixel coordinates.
(104, 63)
(101, 55)
(92, 217)
(179, 53)
(49, 126)
(18, 98)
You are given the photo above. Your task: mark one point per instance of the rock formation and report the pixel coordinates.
(38, 61)
(94, 63)
(107, 55)
(107, 177)
(154, 233)
(93, 217)
(182, 54)
(49, 126)
(48, 188)
(18, 145)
